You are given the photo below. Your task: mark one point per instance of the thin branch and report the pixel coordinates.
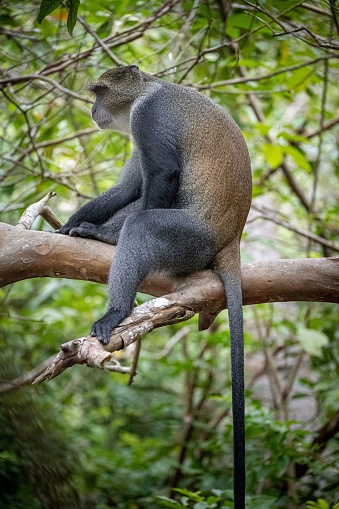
(27, 378)
(316, 9)
(34, 210)
(133, 369)
(324, 434)
(128, 35)
(100, 42)
(325, 127)
(254, 103)
(178, 336)
(271, 216)
(48, 215)
(13, 80)
(247, 79)
(58, 141)
(316, 167)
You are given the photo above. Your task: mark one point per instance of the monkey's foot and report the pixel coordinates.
(102, 328)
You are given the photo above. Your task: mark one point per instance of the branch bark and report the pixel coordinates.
(27, 254)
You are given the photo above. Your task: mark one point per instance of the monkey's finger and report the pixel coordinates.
(74, 232)
(64, 230)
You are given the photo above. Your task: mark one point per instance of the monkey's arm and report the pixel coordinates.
(109, 231)
(102, 208)
(160, 155)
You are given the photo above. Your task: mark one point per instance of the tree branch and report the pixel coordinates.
(39, 208)
(26, 254)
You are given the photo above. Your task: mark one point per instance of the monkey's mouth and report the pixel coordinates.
(103, 122)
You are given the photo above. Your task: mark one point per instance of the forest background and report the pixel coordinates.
(87, 439)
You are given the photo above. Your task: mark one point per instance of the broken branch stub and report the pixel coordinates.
(88, 350)
(35, 210)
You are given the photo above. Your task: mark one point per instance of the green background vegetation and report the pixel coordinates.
(87, 439)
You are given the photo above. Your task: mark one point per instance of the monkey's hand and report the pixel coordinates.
(66, 228)
(85, 230)
(102, 328)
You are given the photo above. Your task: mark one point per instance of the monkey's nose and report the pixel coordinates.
(94, 109)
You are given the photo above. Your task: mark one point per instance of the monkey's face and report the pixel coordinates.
(115, 91)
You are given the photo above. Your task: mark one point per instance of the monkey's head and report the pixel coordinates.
(115, 92)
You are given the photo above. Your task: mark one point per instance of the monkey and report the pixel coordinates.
(180, 205)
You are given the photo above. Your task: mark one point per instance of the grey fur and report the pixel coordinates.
(180, 205)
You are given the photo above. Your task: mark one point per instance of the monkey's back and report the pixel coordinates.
(214, 152)
(207, 145)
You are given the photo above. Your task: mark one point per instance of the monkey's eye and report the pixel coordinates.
(97, 88)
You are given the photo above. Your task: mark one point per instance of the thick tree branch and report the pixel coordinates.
(27, 254)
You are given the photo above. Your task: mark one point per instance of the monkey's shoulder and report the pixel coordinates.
(167, 108)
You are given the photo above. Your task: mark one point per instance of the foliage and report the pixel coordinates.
(320, 504)
(48, 6)
(167, 439)
(37, 464)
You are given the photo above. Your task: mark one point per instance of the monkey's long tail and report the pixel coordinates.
(234, 304)
(232, 283)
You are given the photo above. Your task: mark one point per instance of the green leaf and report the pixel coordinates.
(322, 503)
(195, 496)
(168, 502)
(274, 154)
(293, 137)
(298, 157)
(46, 7)
(106, 28)
(73, 6)
(319, 504)
(312, 341)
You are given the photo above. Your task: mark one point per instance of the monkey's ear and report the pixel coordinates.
(133, 67)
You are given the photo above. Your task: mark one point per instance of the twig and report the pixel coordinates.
(324, 434)
(133, 369)
(267, 76)
(255, 105)
(50, 217)
(25, 379)
(115, 366)
(34, 210)
(100, 42)
(28, 77)
(88, 350)
(270, 216)
(316, 9)
(325, 127)
(178, 336)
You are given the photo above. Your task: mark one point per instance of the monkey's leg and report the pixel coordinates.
(108, 232)
(157, 239)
